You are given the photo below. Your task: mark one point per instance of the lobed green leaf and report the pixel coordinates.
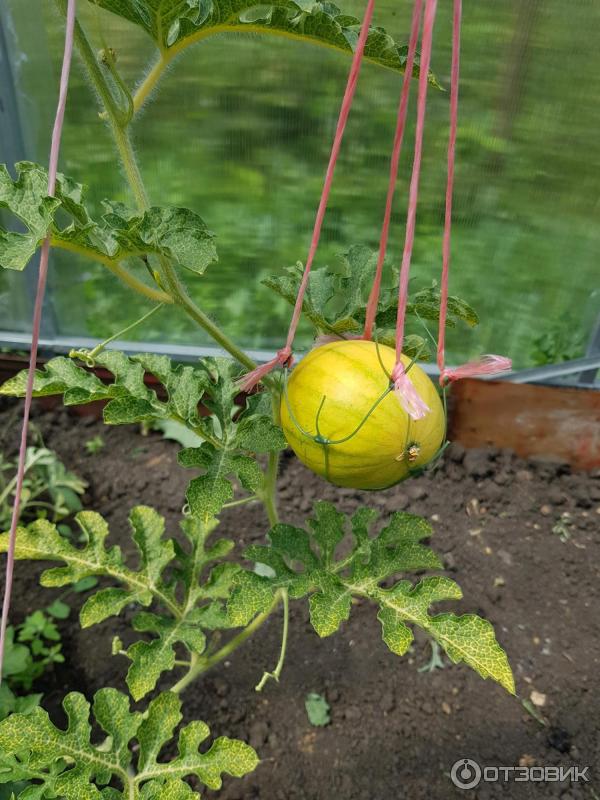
(66, 764)
(41, 541)
(175, 233)
(180, 621)
(151, 659)
(208, 494)
(128, 397)
(27, 199)
(336, 299)
(174, 25)
(306, 563)
(234, 433)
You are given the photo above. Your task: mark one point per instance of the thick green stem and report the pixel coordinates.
(269, 492)
(179, 294)
(115, 267)
(113, 114)
(130, 167)
(168, 54)
(269, 496)
(149, 83)
(199, 665)
(93, 68)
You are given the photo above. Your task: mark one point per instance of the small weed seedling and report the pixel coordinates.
(49, 489)
(190, 603)
(317, 710)
(94, 445)
(31, 648)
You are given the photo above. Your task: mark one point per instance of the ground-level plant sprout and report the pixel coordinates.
(194, 605)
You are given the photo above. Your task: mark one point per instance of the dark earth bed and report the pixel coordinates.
(395, 732)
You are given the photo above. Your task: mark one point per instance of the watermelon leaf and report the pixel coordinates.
(305, 563)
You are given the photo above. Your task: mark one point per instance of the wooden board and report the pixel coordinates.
(561, 423)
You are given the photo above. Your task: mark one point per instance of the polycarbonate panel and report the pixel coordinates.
(240, 131)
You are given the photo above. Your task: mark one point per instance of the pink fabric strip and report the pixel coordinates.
(450, 183)
(371, 312)
(403, 386)
(430, 9)
(37, 316)
(284, 355)
(486, 365)
(489, 364)
(407, 395)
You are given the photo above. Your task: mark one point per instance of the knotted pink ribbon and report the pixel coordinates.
(489, 364)
(407, 395)
(486, 365)
(283, 358)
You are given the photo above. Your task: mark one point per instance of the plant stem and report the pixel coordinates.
(284, 639)
(149, 82)
(199, 665)
(100, 347)
(241, 501)
(36, 503)
(95, 73)
(113, 114)
(116, 268)
(137, 285)
(131, 167)
(271, 496)
(268, 495)
(180, 296)
(167, 55)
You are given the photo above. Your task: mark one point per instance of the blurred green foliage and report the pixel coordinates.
(31, 648)
(559, 342)
(49, 489)
(240, 132)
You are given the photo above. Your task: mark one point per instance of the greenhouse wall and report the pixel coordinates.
(252, 147)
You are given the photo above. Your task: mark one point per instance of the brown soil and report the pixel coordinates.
(395, 731)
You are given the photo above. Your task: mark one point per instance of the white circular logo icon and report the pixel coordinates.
(465, 773)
